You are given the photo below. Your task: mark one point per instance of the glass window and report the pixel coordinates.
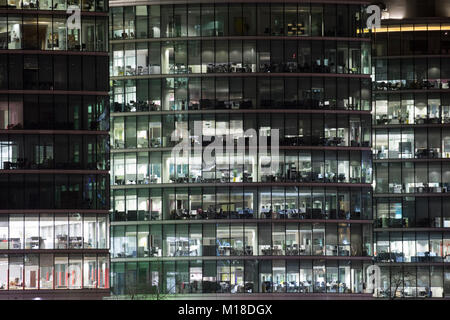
(16, 272)
(88, 34)
(263, 14)
(74, 275)
(317, 20)
(154, 18)
(16, 231)
(330, 20)
(319, 276)
(193, 20)
(15, 32)
(141, 22)
(90, 271)
(249, 19)
(61, 271)
(265, 276)
(306, 276)
(318, 239)
(3, 272)
(221, 19)
(32, 239)
(304, 21)
(277, 24)
(4, 232)
(31, 271)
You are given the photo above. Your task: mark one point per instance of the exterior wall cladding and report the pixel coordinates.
(311, 228)
(54, 150)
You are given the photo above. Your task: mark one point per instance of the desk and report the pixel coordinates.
(224, 251)
(292, 250)
(76, 242)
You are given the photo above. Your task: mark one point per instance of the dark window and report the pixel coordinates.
(74, 73)
(89, 73)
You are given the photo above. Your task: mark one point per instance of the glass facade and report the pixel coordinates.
(250, 276)
(180, 226)
(54, 149)
(240, 56)
(410, 152)
(49, 32)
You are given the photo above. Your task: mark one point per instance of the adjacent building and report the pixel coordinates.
(183, 226)
(54, 150)
(411, 139)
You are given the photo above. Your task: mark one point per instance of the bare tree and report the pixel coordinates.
(397, 281)
(144, 291)
(153, 290)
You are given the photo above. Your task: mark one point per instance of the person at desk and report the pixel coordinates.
(201, 214)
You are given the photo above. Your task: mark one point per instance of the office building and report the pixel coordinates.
(411, 136)
(185, 228)
(54, 149)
